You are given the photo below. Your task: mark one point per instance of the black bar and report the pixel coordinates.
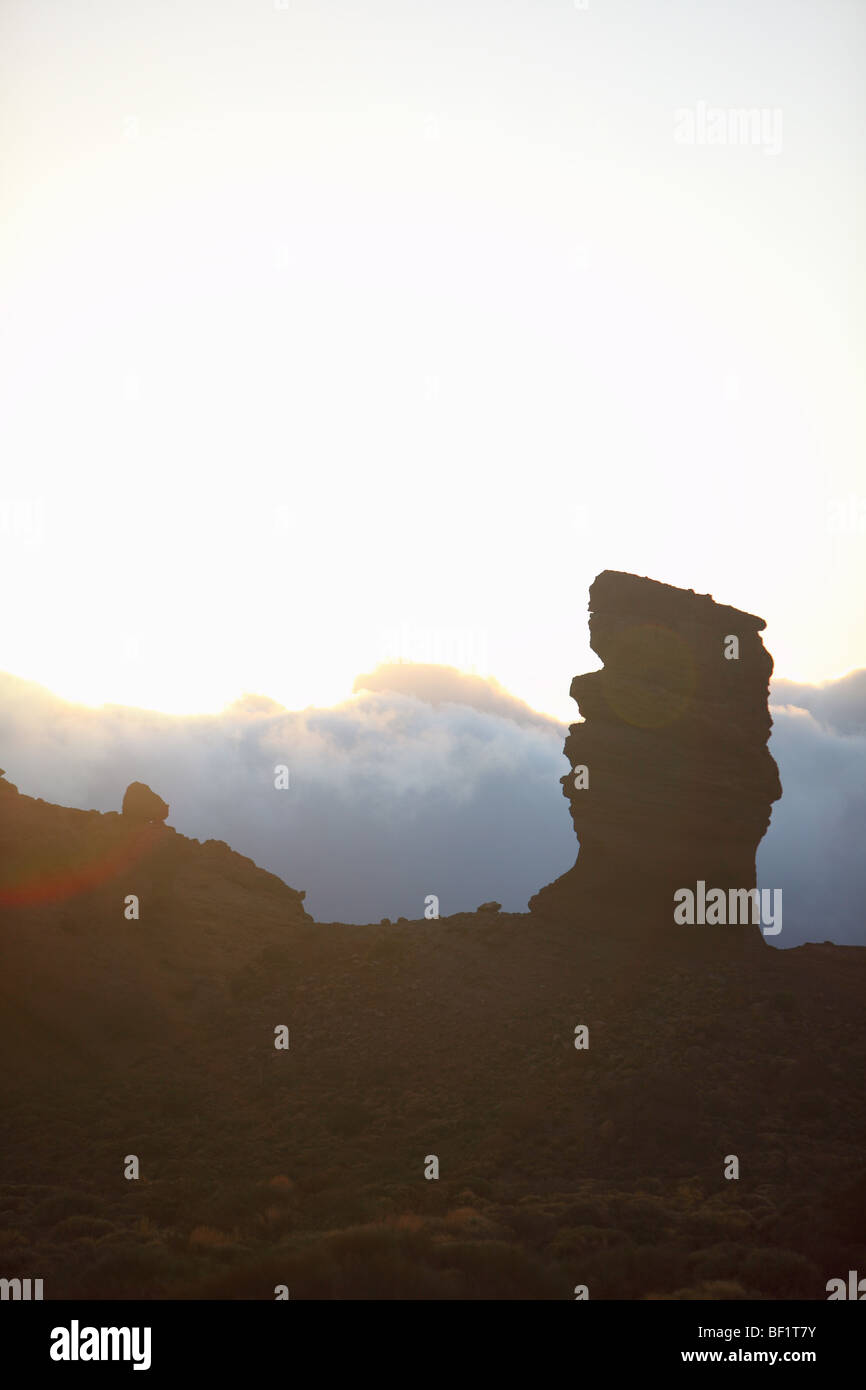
(308, 1338)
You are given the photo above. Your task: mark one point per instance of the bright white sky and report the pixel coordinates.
(344, 331)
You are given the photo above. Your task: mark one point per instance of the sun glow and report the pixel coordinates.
(288, 370)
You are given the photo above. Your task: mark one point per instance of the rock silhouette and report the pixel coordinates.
(83, 863)
(672, 781)
(142, 805)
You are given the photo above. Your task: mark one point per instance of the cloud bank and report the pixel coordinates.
(814, 847)
(430, 781)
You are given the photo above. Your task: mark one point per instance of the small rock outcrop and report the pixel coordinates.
(672, 781)
(143, 805)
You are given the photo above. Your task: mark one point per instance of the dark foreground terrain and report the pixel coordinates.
(601, 1166)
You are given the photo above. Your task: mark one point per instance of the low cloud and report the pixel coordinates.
(813, 849)
(838, 705)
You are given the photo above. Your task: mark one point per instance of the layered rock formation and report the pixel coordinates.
(677, 782)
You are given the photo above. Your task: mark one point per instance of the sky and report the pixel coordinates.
(335, 334)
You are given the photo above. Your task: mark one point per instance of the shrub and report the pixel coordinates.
(577, 1240)
(348, 1118)
(471, 1221)
(722, 1261)
(716, 1290)
(62, 1204)
(74, 1227)
(209, 1238)
(781, 1273)
(140, 1271)
(645, 1218)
